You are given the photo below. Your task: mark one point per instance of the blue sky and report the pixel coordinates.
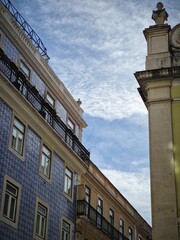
(95, 47)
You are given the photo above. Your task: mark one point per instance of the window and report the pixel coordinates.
(71, 125)
(45, 166)
(66, 230)
(68, 182)
(87, 194)
(18, 136)
(10, 201)
(100, 206)
(87, 199)
(41, 218)
(130, 233)
(111, 216)
(24, 69)
(100, 211)
(50, 100)
(121, 222)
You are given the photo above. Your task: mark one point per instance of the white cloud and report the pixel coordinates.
(96, 53)
(105, 95)
(135, 187)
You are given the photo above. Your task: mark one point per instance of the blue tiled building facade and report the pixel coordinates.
(33, 185)
(40, 140)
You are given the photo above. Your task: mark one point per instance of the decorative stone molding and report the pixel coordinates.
(158, 73)
(175, 36)
(23, 36)
(2, 10)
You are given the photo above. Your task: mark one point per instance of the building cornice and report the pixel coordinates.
(39, 64)
(155, 76)
(156, 29)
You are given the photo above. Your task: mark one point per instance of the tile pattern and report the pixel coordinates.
(33, 185)
(61, 111)
(40, 85)
(10, 50)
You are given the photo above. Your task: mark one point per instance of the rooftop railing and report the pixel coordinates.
(84, 209)
(31, 34)
(18, 79)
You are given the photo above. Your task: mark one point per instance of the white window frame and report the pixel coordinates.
(39, 216)
(17, 132)
(71, 125)
(13, 148)
(10, 197)
(50, 99)
(24, 69)
(45, 158)
(64, 232)
(68, 180)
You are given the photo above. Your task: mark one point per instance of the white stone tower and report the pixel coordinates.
(160, 91)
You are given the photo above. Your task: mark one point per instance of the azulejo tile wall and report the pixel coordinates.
(33, 185)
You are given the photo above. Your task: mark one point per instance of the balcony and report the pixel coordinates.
(31, 94)
(85, 210)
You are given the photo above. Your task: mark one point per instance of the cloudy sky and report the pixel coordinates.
(95, 46)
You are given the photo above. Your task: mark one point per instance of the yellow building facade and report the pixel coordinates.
(160, 91)
(103, 212)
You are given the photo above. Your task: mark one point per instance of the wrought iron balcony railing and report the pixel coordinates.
(18, 79)
(35, 39)
(84, 209)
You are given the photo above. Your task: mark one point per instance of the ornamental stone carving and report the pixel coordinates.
(175, 36)
(160, 15)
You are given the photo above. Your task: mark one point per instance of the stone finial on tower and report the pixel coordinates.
(79, 102)
(160, 15)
